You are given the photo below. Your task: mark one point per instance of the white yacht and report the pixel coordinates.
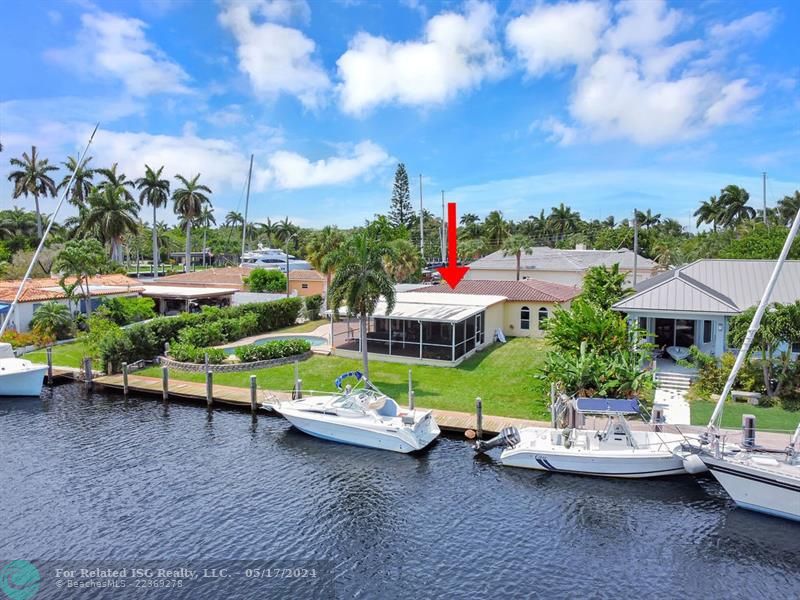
(361, 417)
(272, 258)
(756, 478)
(19, 377)
(615, 450)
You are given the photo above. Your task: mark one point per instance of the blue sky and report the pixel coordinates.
(514, 106)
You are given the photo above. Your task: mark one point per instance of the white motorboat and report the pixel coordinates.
(615, 450)
(19, 377)
(756, 478)
(272, 258)
(359, 416)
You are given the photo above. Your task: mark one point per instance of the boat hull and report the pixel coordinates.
(26, 382)
(754, 489)
(661, 465)
(394, 439)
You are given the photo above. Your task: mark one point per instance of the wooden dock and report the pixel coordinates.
(448, 420)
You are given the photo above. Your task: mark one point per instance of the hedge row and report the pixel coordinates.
(192, 354)
(271, 350)
(145, 341)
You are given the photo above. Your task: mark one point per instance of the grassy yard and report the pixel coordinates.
(306, 327)
(503, 376)
(767, 418)
(65, 355)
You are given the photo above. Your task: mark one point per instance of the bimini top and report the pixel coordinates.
(607, 406)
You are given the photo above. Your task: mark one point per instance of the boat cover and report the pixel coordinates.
(357, 374)
(602, 406)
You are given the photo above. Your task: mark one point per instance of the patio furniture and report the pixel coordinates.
(678, 352)
(752, 398)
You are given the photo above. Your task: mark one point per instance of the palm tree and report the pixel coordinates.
(284, 229)
(205, 220)
(322, 248)
(267, 229)
(734, 205)
(610, 222)
(154, 191)
(471, 249)
(563, 220)
(17, 223)
(113, 214)
(788, 207)
(648, 219)
(404, 260)
(52, 319)
(517, 244)
(710, 212)
(361, 280)
(81, 259)
(115, 179)
(495, 228)
(82, 184)
(32, 178)
(189, 201)
(471, 224)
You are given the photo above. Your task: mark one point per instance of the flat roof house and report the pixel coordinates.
(693, 304)
(440, 326)
(556, 265)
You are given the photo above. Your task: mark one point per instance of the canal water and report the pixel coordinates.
(95, 477)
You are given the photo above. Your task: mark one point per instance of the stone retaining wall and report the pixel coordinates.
(231, 367)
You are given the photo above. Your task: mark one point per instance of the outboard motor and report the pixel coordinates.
(507, 438)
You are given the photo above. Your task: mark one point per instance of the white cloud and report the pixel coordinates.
(283, 10)
(117, 47)
(457, 52)
(275, 58)
(291, 170)
(226, 116)
(757, 24)
(553, 36)
(631, 82)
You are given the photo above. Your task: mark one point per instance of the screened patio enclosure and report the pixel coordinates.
(427, 331)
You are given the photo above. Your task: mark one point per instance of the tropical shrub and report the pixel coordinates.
(21, 340)
(712, 373)
(272, 350)
(192, 354)
(53, 320)
(266, 280)
(604, 286)
(98, 329)
(313, 306)
(147, 340)
(205, 334)
(124, 311)
(603, 331)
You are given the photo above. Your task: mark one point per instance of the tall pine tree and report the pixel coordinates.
(401, 212)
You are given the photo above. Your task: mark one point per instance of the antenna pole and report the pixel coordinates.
(246, 205)
(421, 222)
(635, 246)
(40, 247)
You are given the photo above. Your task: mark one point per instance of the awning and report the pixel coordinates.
(4, 307)
(607, 406)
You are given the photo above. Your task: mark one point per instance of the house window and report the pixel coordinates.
(525, 318)
(796, 347)
(304, 286)
(542, 316)
(707, 329)
(643, 323)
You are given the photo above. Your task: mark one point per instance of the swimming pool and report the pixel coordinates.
(314, 340)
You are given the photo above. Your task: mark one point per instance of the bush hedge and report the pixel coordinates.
(270, 350)
(313, 306)
(192, 354)
(144, 341)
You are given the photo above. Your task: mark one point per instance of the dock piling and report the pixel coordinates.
(209, 389)
(658, 419)
(165, 383)
(125, 379)
(49, 352)
(87, 372)
(410, 390)
(411, 401)
(253, 395)
(479, 417)
(748, 431)
(299, 389)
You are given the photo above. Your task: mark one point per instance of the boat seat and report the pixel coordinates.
(389, 408)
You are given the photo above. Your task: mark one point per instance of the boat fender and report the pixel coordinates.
(694, 465)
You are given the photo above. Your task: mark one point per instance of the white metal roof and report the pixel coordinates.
(543, 258)
(445, 308)
(185, 292)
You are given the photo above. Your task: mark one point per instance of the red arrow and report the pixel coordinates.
(452, 273)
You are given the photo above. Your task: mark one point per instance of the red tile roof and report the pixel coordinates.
(43, 289)
(528, 290)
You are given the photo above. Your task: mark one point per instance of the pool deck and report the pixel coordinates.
(319, 332)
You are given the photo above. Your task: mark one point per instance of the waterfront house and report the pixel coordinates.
(38, 291)
(440, 326)
(693, 304)
(302, 282)
(556, 265)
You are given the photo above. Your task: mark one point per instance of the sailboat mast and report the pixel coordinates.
(246, 206)
(716, 416)
(421, 222)
(40, 247)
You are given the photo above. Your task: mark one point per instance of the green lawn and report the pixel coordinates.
(767, 418)
(503, 376)
(306, 327)
(65, 355)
